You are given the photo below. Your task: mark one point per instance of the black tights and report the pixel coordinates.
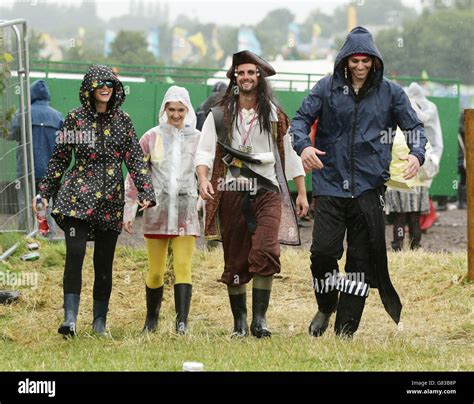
(413, 219)
(75, 231)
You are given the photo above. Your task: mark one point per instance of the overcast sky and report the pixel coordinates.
(237, 12)
(223, 12)
(247, 11)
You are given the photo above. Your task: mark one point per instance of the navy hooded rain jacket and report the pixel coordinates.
(356, 132)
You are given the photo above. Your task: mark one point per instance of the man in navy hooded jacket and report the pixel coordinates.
(358, 111)
(45, 122)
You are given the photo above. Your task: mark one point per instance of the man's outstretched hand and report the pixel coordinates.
(310, 159)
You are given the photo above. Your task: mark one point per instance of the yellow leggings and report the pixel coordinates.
(183, 248)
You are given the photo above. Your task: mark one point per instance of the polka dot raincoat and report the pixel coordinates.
(93, 188)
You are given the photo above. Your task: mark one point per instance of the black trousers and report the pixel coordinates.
(333, 217)
(75, 232)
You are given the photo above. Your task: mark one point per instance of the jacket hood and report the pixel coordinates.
(95, 74)
(219, 87)
(359, 40)
(415, 92)
(178, 94)
(39, 91)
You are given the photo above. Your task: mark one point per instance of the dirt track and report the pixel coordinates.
(447, 235)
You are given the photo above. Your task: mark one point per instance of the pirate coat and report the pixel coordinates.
(288, 232)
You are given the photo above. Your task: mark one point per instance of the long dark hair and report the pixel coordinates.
(264, 93)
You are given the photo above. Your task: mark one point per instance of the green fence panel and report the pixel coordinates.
(447, 179)
(140, 104)
(290, 101)
(8, 169)
(64, 94)
(8, 166)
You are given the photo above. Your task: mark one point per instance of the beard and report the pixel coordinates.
(247, 91)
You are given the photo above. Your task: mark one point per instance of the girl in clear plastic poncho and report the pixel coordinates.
(170, 148)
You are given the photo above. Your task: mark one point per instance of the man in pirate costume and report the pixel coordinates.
(243, 159)
(358, 111)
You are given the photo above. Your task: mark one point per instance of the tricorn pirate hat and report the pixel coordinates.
(246, 56)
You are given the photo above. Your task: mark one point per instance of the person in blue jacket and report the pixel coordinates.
(45, 122)
(358, 111)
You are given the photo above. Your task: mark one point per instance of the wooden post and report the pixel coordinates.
(469, 142)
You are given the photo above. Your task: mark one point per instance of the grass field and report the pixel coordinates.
(436, 332)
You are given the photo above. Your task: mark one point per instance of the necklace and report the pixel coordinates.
(246, 148)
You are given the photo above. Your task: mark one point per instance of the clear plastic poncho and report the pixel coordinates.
(428, 114)
(171, 154)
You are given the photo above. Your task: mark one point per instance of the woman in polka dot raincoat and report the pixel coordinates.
(89, 204)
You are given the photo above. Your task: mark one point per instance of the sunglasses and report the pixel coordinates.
(101, 84)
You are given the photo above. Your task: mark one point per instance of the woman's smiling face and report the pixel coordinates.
(103, 92)
(176, 112)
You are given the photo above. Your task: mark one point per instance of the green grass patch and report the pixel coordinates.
(8, 240)
(435, 335)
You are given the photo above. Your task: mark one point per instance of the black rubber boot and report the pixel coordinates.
(71, 308)
(319, 324)
(182, 301)
(212, 244)
(238, 305)
(415, 242)
(153, 305)
(100, 316)
(349, 313)
(442, 204)
(397, 246)
(260, 300)
(398, 232)
(327, 303)
(462, 197)
(414, 229)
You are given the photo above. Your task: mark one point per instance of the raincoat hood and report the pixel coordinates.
(417, 100)
(417, 96)
(219, 87)
(178, 94)
(414, 90)
(95, 74)
(39, 91)
(427, 112)
(359, 40)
